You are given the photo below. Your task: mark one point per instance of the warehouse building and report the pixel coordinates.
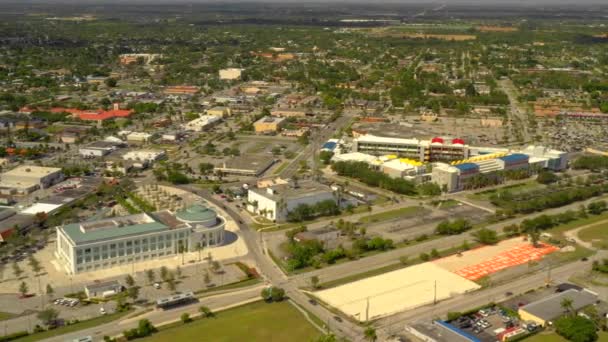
(106, 243)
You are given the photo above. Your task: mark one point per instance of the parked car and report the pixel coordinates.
(157, 286)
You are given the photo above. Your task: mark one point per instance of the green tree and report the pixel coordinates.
(133, 292)
(49, 290)
(370, 334)
(205, 311)
(185, 318)
(48, 316)
(23, 289)
(486, 236)
(314, 282)
(151, 276)
(576, 328)
(129, 280)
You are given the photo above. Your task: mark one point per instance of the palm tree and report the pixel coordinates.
(567, 305)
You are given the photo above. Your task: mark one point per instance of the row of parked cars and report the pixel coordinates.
(71, 302)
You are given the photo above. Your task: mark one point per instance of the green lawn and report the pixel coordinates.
(513, 188)
(553, 337)
(252, 322)
(596, 232)
(391, 215)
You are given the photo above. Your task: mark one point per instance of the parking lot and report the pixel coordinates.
(489, 324)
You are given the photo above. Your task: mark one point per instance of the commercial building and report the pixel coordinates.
(403, 168)
(548, 309)
(436, 149)
(202, 123)
(275, 202)
(252, 165)
(230, 74)
(116, 241)
(268, 124)
(27, 178)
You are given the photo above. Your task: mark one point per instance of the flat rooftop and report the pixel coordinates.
(31, 171)
(255, 163)
(550, 307)
(112, 228)
(288, 191)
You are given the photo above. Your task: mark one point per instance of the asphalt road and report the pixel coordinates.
(276, 277)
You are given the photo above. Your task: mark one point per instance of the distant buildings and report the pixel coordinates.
(181, 90)
(276, 201)
(116, 241)
(130, 58)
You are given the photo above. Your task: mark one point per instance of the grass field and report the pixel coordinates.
(253, 322)
(391, 215)
(596, 234)
(553, 337)
(514, 188)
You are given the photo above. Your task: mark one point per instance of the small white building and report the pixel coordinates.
(145, 157)
(103, 289)
(230, 74)
(201, 123)
(276, 201)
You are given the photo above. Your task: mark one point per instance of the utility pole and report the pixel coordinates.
(367, 311)
(435, 294)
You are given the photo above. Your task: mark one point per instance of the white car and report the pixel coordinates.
(102, 311)
(156, 286)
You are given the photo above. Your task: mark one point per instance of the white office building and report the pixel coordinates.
(116, 241)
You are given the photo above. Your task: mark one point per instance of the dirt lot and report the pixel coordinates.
(396, 291)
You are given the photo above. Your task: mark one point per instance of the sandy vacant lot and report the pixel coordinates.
(483, 261)
(396, 291)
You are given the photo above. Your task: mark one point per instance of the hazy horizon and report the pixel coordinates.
(358, 2)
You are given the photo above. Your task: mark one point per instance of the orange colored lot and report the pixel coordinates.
(513, 257)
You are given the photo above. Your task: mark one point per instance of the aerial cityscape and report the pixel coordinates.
(304, 172)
